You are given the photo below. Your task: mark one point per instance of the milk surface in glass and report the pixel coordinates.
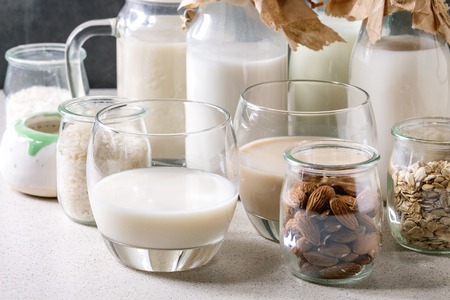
(262, 169)
(402, 82)
(164, 207)
(228, 71)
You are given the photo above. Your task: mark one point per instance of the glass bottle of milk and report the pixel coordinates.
(330, 63)
(406, 74)
(230, 48)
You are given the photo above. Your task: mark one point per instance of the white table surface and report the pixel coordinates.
(44, 255)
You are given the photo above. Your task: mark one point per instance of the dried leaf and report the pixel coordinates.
(301, 25)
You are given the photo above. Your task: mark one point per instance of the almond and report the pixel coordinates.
(303, 245)
(344, 214)
(306, 187)
(345, 187)
(320, 198)
(295, 198)
(364, 259)
(346, 235)
(367, 244)
(349, 200)
(368, 200)
(331, 224)
(350, 257)
(342, 270)
(291, 228)
(335, 250)
(309, 268)
(320, 260)
(308, 227)
(367, 222)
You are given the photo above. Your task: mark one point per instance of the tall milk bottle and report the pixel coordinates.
(406, 74)
(229, 48)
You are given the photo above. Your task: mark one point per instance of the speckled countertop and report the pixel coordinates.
(44, 255)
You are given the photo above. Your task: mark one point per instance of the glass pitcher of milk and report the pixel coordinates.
(151, 49)
(230, 48)
(406, 74)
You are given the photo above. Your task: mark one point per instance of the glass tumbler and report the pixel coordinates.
(331, 210)
(163, 199)
(419, 185)
(78, 116)
(272, 116)
(36, 79)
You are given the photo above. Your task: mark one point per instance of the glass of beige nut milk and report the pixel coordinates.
(331, 211)
(272, 116)
(163, 198)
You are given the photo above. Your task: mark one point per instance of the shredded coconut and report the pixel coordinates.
(34, 99)
(71, 171)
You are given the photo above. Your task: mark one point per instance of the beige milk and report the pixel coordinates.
(262, 169)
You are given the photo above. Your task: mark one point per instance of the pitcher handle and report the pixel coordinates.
(78, 84)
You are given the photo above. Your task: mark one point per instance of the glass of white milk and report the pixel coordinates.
(163, 199)
(272, 116)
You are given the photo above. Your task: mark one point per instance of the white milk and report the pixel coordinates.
(211, 78)
(150, 64)
(402, 83)
(262, 169)
(330, 63)
(150, 70)
(164, 208)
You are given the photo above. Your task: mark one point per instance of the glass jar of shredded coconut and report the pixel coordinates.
(78, 116)
(36, 79)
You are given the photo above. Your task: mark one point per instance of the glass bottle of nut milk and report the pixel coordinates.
(406, 74)
(230, 48)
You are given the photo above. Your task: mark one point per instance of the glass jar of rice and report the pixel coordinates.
(78, 116)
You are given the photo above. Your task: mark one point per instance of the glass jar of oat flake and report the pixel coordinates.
(331, 211)
(78, 116)
(419, 185)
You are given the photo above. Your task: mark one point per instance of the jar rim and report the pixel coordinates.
(38, 118)
(365, 98)
(427, 130)
(39, 54)
(338, 155)
(76, 108)
(139, 106)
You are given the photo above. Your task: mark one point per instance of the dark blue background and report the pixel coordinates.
(39, 21)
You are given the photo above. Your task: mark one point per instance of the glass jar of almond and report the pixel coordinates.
(331, 211)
